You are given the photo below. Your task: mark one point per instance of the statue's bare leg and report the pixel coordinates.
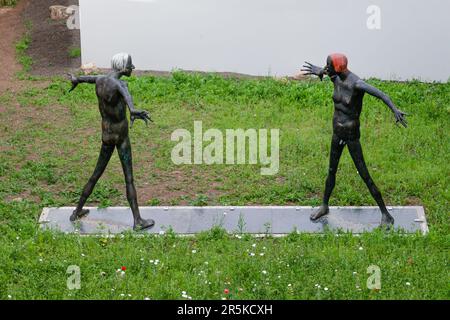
(337, 145)
(103, 159)
(124, 150)
(354, 146)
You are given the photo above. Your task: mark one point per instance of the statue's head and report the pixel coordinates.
(122, 62)
(336, 63)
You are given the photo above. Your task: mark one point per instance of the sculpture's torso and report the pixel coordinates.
(347, 107)
(112, 109)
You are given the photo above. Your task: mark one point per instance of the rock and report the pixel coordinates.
(58, 13)
(89, 68)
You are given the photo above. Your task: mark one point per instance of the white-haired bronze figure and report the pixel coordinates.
(113, 97)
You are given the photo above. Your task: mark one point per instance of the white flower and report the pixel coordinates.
(238, 236)
(122, 295)
(360, 248)
(408, 284)
(206, 262)
(261, 254)
(194, 251)
(223, 298)
(122, 273)
(264, 272)
(254, 245)
(326, 289)
(289, 285)
(355, 273)
(183, 293)
(129, 295)
(146, 298)
(82, 255)
(40, 260)
(252, 254)
(9, 296)
(161, 232)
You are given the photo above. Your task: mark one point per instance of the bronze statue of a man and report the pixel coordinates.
(348, 96)
(113, 97)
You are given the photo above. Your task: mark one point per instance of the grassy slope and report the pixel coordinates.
(50, 141)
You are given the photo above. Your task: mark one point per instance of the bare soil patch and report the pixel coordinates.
(11, 27)
(51, 41)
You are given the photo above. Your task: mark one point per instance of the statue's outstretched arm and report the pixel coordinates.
(82, 79)
(310, 69)
(399, 115)
(134, 113)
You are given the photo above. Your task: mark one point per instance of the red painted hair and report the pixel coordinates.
(339, 61)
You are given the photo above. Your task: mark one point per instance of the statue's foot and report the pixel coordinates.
(143, 224)
(76, 215)
(323, 210)
(387, 221)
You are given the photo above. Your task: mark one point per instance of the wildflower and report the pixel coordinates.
(161, 233)
(123, 268)
(254, 245)
(82, 255)
(326, 289)
(360, 248)
(252, 254)
(226, 291)
(146, 298)
(264, 272)
(408, 284)
(261, 254)
(9, 296)
(289, 285)
(194, 251)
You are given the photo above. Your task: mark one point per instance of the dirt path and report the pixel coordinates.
(12, 29)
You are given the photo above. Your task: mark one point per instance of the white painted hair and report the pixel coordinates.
(119, 61)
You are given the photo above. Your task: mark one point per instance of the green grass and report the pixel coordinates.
(8, 3)
(21, 52)
(50, 141)
(75, 52)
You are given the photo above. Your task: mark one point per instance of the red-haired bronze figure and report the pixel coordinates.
(348, 96)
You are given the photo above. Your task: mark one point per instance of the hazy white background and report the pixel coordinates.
(270, 37)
